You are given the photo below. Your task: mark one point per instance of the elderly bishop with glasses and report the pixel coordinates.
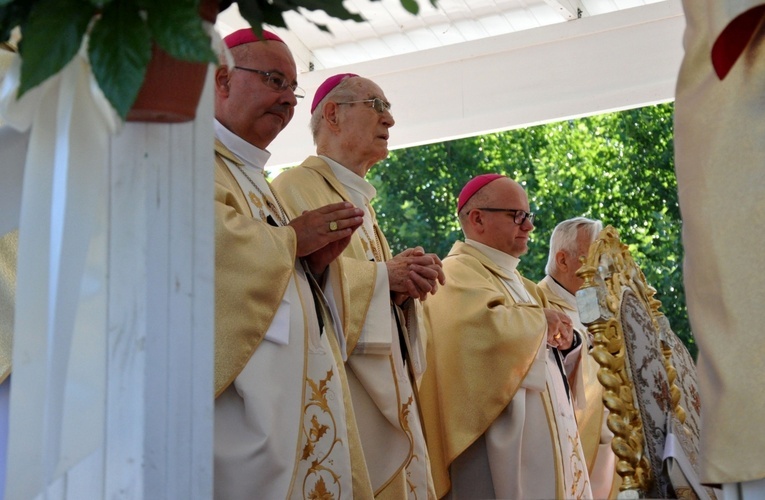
(284, 423)
(496, 397)
(379, 294)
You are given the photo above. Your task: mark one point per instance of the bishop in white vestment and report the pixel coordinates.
(284, 423)
(384, 338)
(496, 395)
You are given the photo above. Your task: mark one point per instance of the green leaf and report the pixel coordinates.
(52, 36)
(411, 5)
(260, 12)
(334, 8)
(11, 16)
(120, 50)
(322, 27)
(253, 14)
(274, 17)
(178, 29)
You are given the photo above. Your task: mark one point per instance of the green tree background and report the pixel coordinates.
(616, 167)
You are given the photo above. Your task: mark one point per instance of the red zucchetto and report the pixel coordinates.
(326, 87)
(246, 35)
(473, 186)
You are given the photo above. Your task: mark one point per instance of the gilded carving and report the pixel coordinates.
(608, 271)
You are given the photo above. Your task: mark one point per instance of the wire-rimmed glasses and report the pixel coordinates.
(377, 104)
(276, 81)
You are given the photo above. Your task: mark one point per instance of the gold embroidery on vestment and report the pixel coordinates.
(317, 449)
(577, 469)
(258, 204)
(406, 411)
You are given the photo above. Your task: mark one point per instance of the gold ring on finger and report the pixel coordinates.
(557, 336)
(333, 225)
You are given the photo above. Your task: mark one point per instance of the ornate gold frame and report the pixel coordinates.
(607, 270)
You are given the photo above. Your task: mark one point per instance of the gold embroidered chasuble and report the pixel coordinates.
(240, 325)
(9, 244)
(382, 391)
(719, 160)
(295, 438)
(483, 378)
(315, 185)
(590, 412)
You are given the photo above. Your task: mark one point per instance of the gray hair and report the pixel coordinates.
(564, 238)
(341, 93)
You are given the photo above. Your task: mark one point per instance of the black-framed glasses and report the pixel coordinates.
(377, 104)
(276, 81)
(519, 216)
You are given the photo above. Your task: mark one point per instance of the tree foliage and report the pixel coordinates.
(617, 167)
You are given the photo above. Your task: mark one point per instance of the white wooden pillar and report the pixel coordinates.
(160, 311)
(158, 432)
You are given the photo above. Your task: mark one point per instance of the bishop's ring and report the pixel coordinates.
(333, 225)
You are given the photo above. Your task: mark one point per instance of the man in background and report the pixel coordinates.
(496, 395)
(570, 241)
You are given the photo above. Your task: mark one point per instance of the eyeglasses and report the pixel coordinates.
(377, 104)
(276, 81)
(519, 216)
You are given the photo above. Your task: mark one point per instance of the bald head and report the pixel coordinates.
(489, 216)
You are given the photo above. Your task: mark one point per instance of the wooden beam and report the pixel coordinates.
(569, 9)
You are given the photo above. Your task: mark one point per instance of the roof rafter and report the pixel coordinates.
(569, 9)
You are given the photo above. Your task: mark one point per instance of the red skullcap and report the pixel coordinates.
(473, 186)
(246, 35)
(326, 87)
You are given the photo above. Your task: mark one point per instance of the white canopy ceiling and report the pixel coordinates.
(468, 67)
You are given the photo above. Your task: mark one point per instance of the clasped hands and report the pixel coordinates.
(323, 234)
(560, 329)
(414, 273)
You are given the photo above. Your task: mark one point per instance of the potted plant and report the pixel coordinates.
(123, 35)
(120, 38)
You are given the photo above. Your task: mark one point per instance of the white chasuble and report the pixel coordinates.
(381, 389)
(417, 468)
(590, 412)
(576, 480)
(540, 404)
(527, 460)
(280, 428)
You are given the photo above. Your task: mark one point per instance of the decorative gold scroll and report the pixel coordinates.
(607, 270)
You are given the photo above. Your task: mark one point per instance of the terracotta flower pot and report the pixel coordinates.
(170, 91)
(172, 88)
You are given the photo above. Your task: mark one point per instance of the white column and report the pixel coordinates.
(159, 341)
(160, 319)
